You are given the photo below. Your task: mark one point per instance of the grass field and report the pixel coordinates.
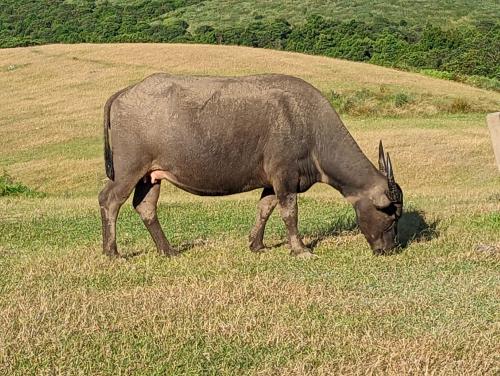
(218, 308)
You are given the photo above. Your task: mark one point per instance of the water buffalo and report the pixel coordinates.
(223, 135)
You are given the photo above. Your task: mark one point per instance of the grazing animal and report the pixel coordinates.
(215, 136)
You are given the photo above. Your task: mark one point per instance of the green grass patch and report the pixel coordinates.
(488, 83)
(443, 75)
(386, 101)
(487, 222)
(183, 223)
(10, 187)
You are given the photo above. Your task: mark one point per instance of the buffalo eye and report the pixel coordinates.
(389, 210)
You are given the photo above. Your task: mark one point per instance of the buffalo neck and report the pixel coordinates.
(341, 161)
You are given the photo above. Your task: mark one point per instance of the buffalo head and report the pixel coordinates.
(379, 211)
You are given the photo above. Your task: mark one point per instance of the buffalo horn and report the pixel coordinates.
(394, 194)
(382, 164)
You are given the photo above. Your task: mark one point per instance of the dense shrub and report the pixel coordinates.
(29, 22)
(266, 34)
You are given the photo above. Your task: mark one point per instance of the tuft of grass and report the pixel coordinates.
(401, 99)
(10, 187)
(458, 106)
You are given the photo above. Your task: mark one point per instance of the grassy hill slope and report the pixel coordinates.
(440, 12)
(228, 13)
(218, 308)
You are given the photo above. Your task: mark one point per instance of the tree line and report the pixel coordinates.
(463, 50)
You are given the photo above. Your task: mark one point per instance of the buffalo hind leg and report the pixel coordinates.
(289, 213)
(111, 199)
(145, 202)
(266, 206)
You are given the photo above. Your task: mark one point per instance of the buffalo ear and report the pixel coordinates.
(381, 201)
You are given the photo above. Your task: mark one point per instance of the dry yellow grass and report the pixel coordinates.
(55, 94)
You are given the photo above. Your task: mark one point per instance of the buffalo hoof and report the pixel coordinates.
(112, 254)
(171, 252)
(257, 247)
(306, 256)
(304, 253)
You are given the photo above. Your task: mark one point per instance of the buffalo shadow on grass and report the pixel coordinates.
(412, 227)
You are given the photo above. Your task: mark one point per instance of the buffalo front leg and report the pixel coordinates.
(145, 203)
(289, 213)
(266, 206)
